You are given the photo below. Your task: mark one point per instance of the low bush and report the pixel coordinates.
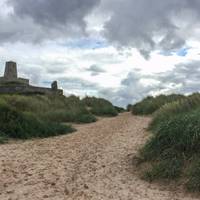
(15, 124)
(77, 115)
(3, 138)
(173, 150)
(50, 108)
(151, 104)
(129, 107)
(119, 109)
(28, 116)
(99, 106)
(193, 176)
(184, 105)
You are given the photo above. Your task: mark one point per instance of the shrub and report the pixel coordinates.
(99, 106)
(15, 124)
(170, 109)
(174, 146)
(71, 115)
(3, 138)
(129, 107)
(193, 181)
(165, 169)
(86, 118)
(104, 111)
(27, 116)
(150, 104)
(119, 109)
(48, 107)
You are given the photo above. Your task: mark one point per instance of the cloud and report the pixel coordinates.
(145, 25)
(95, 70)
(151, 25)
(78, 86)
(36, 20)
(132, 89)
(183, 79)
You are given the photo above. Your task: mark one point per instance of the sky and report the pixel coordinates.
(121, 50)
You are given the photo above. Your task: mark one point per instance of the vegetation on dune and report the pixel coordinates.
(184, 105)
(31, 116)
(15, 124)
(173, 150)
(150, 104)
(129, 107)
(3, 138)
(119, 109)
(99, 106)
(51, 108)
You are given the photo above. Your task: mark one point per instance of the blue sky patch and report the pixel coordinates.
(181, 52)
(86, 43)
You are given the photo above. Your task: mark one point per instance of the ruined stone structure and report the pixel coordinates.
(11, 84)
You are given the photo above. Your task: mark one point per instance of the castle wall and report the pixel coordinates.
(21, 89)
(3, 80)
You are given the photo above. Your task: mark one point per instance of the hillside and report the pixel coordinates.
(172, 152)
(30, 116)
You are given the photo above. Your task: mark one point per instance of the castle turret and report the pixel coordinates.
(10, 73)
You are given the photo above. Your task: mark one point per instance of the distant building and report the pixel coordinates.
(11, 84)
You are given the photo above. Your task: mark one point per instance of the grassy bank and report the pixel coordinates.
(100, 107)
(150, 104)
(33, 116)
(173, 150)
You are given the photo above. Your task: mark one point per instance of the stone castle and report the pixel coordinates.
(10, 83)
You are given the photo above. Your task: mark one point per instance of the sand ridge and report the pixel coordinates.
(94, 163)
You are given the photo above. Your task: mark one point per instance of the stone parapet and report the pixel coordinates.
(22, 89)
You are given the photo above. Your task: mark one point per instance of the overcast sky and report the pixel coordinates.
(122, 50)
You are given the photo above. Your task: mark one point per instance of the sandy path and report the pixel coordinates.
(93, 163)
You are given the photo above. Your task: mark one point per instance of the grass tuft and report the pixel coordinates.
(150, 104)
(173, 149)
(28, 116)
(100, 107)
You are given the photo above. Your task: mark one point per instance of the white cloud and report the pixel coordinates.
(102, 49)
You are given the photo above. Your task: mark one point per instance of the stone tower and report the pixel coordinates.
(54, 86)
(10, 71)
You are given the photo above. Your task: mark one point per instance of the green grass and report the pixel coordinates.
(15, 124)
(151, 104)
(100, 107)
(173, 150)
(119, 109)
(3, 138)
(30, 116)
(129, 107)
(51, 108)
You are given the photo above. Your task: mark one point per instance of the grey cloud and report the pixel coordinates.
(183, 79)
(131, 90)
(151, 25)
(146, 25)
(36, 75)
(36, 20)
(186, 75)
(95, 70)
(51, 12)
(73, 83)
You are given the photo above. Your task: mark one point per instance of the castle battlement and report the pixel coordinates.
(11, 84)
(10, 75)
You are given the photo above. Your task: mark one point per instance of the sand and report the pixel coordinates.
(93, 163)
